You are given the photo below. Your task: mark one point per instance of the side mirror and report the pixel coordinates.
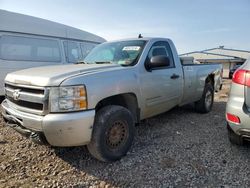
(158, 61)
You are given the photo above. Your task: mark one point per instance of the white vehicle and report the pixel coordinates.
(27, 41)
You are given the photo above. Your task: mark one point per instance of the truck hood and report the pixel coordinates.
(55, 75)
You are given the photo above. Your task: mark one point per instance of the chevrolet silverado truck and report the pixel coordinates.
(98, 101)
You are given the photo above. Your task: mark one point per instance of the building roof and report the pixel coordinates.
(230, 52)
(220, 54)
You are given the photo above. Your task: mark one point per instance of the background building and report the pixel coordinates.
(228, 57)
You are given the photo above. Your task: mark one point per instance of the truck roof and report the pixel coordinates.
(20, 23)
(144, 39)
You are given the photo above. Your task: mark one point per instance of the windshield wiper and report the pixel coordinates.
(103, 62)
(80, 62)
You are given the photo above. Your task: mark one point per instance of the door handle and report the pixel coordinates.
(174, 76)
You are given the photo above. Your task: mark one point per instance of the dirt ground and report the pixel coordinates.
(179, 148)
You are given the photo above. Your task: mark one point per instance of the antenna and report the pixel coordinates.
(140, 36)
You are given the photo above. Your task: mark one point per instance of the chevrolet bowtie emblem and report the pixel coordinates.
(16, 94)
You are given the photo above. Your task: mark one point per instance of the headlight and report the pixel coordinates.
(68, 98)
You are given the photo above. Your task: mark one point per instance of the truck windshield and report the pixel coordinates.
(121, 52)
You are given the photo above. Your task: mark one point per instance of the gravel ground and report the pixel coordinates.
(179, 148)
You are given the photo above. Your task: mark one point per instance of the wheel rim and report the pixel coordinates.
(208, 99)
(117, 134)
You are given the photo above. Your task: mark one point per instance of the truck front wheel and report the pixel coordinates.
(112, 134)
(204, 105)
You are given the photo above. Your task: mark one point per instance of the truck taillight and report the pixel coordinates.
(242, 77)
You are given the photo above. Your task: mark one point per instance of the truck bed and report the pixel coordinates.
(194, 79)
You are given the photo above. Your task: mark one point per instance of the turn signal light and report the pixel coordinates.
(242, 77)
(233, 118)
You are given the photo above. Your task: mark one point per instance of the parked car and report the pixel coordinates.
(26, 41)
(97, 103)
(238, 105)
(232, 70)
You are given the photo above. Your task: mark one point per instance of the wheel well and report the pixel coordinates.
(127, 100)
(210, 79)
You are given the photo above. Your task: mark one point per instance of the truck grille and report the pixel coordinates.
(28, 99)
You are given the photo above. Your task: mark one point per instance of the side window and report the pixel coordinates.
(19, 48)
(86, 47)
(72, 51)
(161, 48)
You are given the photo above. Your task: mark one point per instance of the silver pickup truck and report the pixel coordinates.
(98, 102)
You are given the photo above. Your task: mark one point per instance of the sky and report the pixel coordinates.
(193, 25)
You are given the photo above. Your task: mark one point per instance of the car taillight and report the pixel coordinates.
(233, 118)
(242, 77)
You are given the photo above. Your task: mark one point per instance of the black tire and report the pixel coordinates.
(5, 120)
(205, 104)
(1, 99)
(113, 133)
(233, 137)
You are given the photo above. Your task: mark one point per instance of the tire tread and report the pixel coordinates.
(95, 147)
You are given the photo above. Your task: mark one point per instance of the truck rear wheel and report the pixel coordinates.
(205, 104)
(113, 133)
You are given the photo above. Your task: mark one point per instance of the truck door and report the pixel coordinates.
(161, 87)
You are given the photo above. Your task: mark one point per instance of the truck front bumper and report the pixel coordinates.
(59, 129)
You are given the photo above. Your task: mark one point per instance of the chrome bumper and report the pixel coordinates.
(59, 129)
